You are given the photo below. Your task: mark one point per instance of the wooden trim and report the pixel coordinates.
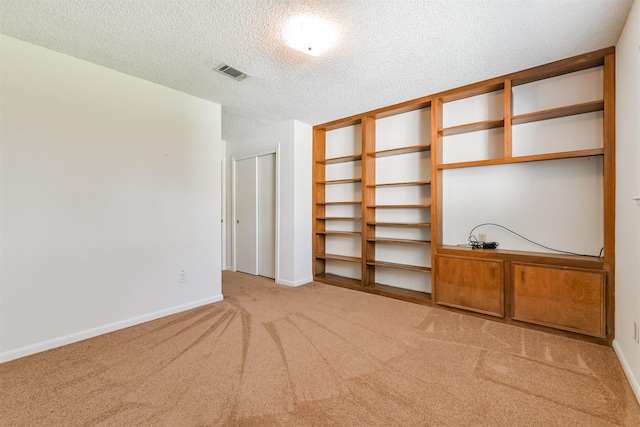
(368, 194)
(436, 190)
(564, 66)
(609, 138)
(508, 152)
(319, 192)
(492, 85)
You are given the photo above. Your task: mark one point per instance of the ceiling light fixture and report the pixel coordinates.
(309, 34)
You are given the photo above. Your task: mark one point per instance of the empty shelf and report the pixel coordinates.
(400, 266)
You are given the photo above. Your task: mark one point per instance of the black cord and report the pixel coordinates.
(473, 242)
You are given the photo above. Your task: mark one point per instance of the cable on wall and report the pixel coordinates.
(474, 241)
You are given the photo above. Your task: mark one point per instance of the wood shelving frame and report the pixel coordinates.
(604, 58)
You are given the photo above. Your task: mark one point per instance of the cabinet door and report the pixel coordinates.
(470, 284)
(563, 298)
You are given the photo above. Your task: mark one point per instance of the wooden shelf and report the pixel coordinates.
(556, 113)
(524, 159)
(426, 205)
(339, 258)
(340, 233)
(401, 150)
(399, 224)
(339, 218)
(401, 241)
(377, 288)
(337, 203)
(340, 181)
(472, 127)
(400, 266)
(334, 279)
(343, 159)
(400, 184)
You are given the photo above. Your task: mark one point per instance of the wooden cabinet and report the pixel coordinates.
(565, 298)
(471, 284)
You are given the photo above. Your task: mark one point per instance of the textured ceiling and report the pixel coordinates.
(388, 51)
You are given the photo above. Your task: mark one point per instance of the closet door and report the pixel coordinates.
(246, 215)
(267, 215)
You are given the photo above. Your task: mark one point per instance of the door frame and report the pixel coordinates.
(236, 158)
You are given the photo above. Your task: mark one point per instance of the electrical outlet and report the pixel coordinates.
(182, 277)
(482, 237)
(636, 332)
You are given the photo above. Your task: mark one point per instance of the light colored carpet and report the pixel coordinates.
(318, 355)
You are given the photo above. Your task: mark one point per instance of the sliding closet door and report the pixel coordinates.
(246, 215)
(267, 215)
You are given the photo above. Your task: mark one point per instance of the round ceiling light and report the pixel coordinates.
(310, 34)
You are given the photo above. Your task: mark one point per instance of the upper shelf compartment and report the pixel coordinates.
(558, 96)
(478, 108)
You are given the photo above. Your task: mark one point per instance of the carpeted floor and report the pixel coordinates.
(318, 355)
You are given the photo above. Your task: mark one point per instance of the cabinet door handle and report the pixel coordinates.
(522, 276)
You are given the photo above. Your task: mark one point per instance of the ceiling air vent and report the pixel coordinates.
(228, 70)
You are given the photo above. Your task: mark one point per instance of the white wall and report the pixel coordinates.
(628, 186)
(110, 186)
(293, 139)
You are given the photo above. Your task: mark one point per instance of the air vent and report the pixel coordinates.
(228, 70)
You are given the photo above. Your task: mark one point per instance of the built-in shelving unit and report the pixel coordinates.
(394, 194)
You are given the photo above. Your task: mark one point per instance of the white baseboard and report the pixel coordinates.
(90, 333)
(296, 283)
(635, 386)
